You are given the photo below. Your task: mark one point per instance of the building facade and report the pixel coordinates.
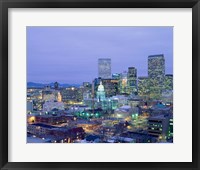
(104, 68)
(72, 94)
(158, 126)
(123, 83)
(156, 67)
(168, 83)
(132, 80)
(143, 86)
(156, 74)
(111, 87)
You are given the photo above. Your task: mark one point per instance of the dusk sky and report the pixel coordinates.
(70, 54)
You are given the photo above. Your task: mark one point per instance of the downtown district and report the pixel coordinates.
(113, 108)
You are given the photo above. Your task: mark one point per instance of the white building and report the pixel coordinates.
(50, 105)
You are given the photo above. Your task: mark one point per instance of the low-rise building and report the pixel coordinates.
(140, 137)
(51, 119)
(56, 134)
(158, 126)
(50, 105)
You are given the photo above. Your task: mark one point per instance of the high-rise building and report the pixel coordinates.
(156, 68)
(104, 68)
(156, 74)
(168, 83)
(132, 79)
(123, 84)
(111, 87)
(143, 86)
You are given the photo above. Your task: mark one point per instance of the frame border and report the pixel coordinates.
(6, 4)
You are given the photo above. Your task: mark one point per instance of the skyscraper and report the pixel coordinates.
(156, 74)
(156, 67)
(143, 86)
(132, 79)
(104, 68)
(123, 85)
(168, 82)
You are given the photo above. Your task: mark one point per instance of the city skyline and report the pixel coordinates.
(111, 85)
(53, 58)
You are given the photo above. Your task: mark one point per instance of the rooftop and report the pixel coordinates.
(161, 117)
(156, 56)
(169, 75)
(36, 140)
(104, 58)
(43, 125)
(143, 77)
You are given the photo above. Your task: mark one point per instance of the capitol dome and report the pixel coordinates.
(100, 87)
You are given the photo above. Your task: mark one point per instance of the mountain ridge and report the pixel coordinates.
(40, 85)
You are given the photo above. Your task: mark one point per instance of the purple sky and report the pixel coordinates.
(70, 54)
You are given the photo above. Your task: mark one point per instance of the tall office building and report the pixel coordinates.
(156, 74)
(123, 84)
(104, 68)
(143, 86)
(168, 82)
(132, 79)
(111, 87)
(156, 68)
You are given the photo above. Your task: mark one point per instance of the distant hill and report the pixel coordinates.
(41, 85)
